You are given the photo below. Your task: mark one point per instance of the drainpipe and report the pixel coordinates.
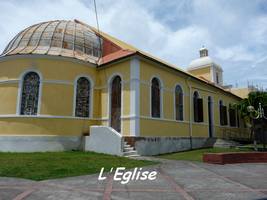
(190, 111)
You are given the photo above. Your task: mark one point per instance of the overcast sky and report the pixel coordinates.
(234, 31)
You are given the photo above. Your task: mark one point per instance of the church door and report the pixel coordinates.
(116, 104)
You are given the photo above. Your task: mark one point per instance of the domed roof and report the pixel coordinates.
(201, 62)
(60, 37)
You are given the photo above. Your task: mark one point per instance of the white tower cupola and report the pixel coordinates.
(205, 68)
(203, 52)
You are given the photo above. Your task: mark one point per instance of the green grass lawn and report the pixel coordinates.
(196, 155)
(49, 165)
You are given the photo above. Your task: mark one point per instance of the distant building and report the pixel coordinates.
(243, 92)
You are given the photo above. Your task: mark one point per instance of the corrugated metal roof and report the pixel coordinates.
(60, 37)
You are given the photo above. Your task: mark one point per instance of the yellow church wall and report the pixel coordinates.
(200, 130)
(167, 124)
(58, 81)
(57, 99)
(8, 98)
(126, 127)
(204, 72)
(58, 91)
(44, 126)
(157, 127)
(144, 100)
(58, 78)
(170, 80)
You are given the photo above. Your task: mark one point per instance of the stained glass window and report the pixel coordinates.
(30, 94)
(179, 103)
(82, 108)
(155, 98)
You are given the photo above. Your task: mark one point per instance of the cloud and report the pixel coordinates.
(235, 54)
(233, 31)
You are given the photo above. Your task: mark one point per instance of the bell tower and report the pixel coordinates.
(203, 52)
(205, 68)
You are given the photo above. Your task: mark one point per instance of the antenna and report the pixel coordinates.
(96, 16)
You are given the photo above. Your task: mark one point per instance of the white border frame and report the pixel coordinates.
(161, 96)
(110, 79)
(19, 96)
(91, 99)
(174, 101)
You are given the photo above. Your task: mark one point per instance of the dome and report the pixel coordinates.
(60, 38)
(201, 62)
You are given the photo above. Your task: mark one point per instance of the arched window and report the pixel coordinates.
(232, 115)
(198, 107)
(223, 113)
(83, 87)
(30, 94)
(116, 103)
(155, 98)
(179, 104)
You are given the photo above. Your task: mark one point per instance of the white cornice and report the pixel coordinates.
(51, 57)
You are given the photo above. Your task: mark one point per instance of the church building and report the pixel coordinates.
(59, 78)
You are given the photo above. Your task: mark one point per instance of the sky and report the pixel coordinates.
(234, 31)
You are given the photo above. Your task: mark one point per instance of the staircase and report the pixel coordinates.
(226, 143)
(129, 151)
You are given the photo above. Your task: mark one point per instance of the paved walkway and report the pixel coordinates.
(176, 180)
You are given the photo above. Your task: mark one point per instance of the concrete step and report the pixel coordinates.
(129, 152)
(128, 149)
(126, 145)
(130, 156)
(225, 143)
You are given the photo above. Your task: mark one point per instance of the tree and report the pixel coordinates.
(249, 109)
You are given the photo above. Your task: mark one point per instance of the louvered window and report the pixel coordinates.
(198, 108)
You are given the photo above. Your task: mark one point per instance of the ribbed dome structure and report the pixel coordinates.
(63, 38)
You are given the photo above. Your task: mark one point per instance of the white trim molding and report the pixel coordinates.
(135, 96)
